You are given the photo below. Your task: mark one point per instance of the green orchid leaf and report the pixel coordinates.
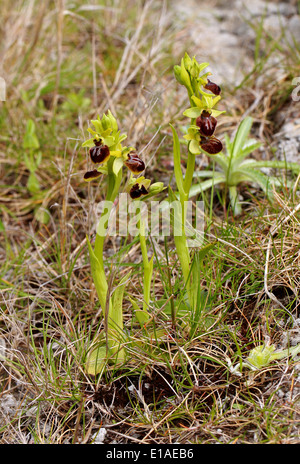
(96, 360)
(274, 164)
(141, 315)
(30, 140)
(228, 144)
(98, 275)
(266, 183)
(203, 252)
(241, 136)
(205, 173)
(115, 334)
(234, 200)
(42, 215)
(207, 184)
(248, 147)
(115, 317)
(33, 184)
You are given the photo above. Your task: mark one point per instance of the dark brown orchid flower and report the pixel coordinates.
(137, 191)
(214, 88)
(99, 153)
(206, 123)
(91, 175)
(211, 145)
(134, 163)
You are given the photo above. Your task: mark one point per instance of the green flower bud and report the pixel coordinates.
(156, 188)
(177, 73)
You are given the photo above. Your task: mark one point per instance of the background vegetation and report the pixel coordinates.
(64, 63)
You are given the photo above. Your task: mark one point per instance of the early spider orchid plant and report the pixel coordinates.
(109, 156)
(234, 167)
(203, 96)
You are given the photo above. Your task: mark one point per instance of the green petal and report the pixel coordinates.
(194, 147)
(96, 360)
(88, 143)
(197, 101)
(193, 112)
(216, 113)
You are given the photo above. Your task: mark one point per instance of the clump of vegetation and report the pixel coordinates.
(143, 338)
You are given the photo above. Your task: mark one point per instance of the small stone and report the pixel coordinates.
(99, 437)
(293, 29)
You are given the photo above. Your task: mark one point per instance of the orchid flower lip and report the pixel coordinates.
(99, 153)
(137, 191)
(211, 145)
(214, 88)
(97, 142)
(206, 123)
(134, 163)
(91, 175)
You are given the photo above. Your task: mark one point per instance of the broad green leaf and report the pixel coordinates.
(115, 332)
(96, 360)
(2, 228)
(115, 317)
(228, 144)
(241, 136)
(266, 183)
(30, 140)
(248, 147)
(42, 215)
(204, 173)
(33, 183)
(202, 253)
(270, 164)
(206, 184)
(98, 275)
(234, 200)
(141, 315)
